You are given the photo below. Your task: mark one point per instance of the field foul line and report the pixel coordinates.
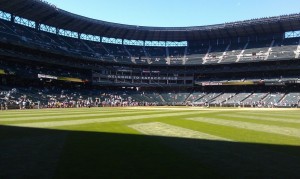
(261, 118)
(166, 130)
(288, 131)
(101, 120)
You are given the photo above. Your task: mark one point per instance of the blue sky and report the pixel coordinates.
(177, 13)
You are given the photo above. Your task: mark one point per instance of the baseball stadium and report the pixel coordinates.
(87, 98)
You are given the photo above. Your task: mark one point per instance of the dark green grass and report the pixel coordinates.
(114, 150)
(98, 155)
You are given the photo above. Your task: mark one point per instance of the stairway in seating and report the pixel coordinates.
(86, 45)
(283, 98)
(105, 49)
(131, 57)
(298, 51)
(212, 99)
(70, 46)
(145, 52)
(188, 97)
(162, 99)
(126, 50)
(15, 32)
(269, 50)
(246, 97)
(133, 60)
(168, 56)
(229, 97)
(147, 55)
(241, 54)
(263, 98)
(205, 57)
(184, 56)
(108, 52)
(149, 60)
(224, 53)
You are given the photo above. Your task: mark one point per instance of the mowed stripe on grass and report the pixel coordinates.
(37, 112)
(288, 131)
(108, 119)
(37, 115)
(72, 116)
(271, 114)
(245, 116)
(166, 130)
(51, 113)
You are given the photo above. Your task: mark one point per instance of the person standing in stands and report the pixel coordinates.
(5, 105)
(23, 104)
(19, 103)
(38, 104)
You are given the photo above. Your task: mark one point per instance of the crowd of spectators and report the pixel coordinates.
(33, 98)
(39, 98)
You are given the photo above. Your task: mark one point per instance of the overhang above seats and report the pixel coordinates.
(51, 15)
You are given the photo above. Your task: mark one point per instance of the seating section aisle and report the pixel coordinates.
(285, 49)
(237, 99)
(256, 51)
(195, 54)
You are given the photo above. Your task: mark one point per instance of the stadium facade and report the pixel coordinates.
(252, 62)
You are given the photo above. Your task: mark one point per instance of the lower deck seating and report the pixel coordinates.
(55, 97)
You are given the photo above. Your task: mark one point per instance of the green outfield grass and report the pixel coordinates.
(158, 142)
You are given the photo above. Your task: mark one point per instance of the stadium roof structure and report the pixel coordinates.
(45, 13)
